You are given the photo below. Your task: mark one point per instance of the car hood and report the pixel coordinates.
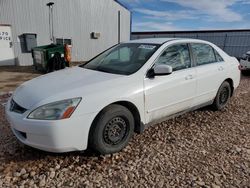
(70, 82)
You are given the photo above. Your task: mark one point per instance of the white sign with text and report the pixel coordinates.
(6, 51)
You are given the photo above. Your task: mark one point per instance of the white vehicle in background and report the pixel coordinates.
(121, 91)
(245, 63)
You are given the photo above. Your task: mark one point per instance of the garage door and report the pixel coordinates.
(6, 51)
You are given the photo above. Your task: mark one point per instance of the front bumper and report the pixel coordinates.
(244, 65)
(54, 136)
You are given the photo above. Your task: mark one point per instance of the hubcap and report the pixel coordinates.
(224, 95)
(115, 131)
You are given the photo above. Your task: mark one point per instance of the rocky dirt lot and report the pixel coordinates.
(11, 77)
(199, 149)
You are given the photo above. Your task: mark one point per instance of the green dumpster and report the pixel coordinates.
(43, 54)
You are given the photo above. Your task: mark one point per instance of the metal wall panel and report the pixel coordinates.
(74, 19)
(235, 43)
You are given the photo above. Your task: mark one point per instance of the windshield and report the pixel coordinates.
(122, 59)
(246, 57)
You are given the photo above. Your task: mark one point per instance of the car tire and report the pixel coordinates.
(245, 72)
(111, 130)
(223, 96)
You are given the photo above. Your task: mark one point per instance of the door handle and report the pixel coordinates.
(220, 68)
(189, 77)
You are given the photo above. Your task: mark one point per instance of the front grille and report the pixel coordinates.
(14, 107)
(21, 135)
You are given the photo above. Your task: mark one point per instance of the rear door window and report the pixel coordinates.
(218, 56)
(203, 53)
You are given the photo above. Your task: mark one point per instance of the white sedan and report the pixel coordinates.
(121, 91)
(245, 63)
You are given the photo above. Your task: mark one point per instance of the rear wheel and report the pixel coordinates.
(223, 96)
(112, 130)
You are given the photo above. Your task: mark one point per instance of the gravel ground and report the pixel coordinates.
(12, 76)
(199, 149)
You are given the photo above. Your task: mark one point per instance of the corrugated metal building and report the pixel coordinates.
(74, 21)
(234, 42)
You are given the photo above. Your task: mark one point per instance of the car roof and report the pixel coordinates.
(162, 40)
(152, 40)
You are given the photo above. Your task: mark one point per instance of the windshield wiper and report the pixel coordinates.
(104, 70)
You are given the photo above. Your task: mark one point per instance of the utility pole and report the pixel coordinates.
(51, 23)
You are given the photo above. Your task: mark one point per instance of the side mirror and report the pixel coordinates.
(160, 70)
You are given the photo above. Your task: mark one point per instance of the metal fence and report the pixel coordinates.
(235, 43)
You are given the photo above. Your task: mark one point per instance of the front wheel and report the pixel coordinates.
(245, 72)
(223, 96)
(112, 130)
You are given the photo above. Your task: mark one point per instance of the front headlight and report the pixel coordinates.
(55, 111)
